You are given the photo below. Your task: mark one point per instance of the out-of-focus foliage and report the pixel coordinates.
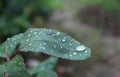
(45, 68)
(104, 14)
(18, 15)
(14, 68)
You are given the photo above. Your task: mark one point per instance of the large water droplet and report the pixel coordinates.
(80, 48)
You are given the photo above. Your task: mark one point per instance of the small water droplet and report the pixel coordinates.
(86, 51)
(31, 31)
(63, 40)
(43, 48)
(53, 35)
(75, 53)
(44, 34)
(35, 32)
(80, 48)
(51, 51)
(58, 33)
(30, 44)
(15, 43)
(61, 47)
(44, 43)
(66, 55)
(8, 39)
(70, 44)
(11, 45)
(27, 40)
(59, 39)
(55, 46)
(70, 55)
(29, 35)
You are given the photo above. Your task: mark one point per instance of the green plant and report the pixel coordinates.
(17, 15)
(43, 40)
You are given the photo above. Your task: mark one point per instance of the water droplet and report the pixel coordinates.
(30, 44)
(27, 40)
(53, 34)
(75, 53)
(86, 51)
(58, 33)
(15, 43)
(59, 39)
(29, 35)
(43, 48)
(61, 47)
(11, 46)
(63, 40)
(8, 39)
(35, 32)
(70, 55)
(51, 51)
(80, 48)
(44, 43)
(55, 46)
(31, 31)
(70, 44)
(66, 55)
(44, 34)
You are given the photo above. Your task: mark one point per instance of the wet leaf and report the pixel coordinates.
(8, 47)
(53, 43)
(14, 68)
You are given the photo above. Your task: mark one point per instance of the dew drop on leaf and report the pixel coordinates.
(75, 53)
(29, 35)
(27, 40)
(30, 44)
(70, 44)
(54, 46)
(63, 40)
(58, 33)
(35, 32)
(80, 48)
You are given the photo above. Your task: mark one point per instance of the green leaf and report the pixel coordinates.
(8, 47)
(46, 73)
(14, 68)
(48, 64)
(53, 43)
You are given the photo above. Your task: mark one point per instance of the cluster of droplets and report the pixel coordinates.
(64, 41)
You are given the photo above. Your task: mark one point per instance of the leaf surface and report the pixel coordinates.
(8, 47)
(14, 68)
(54, 43)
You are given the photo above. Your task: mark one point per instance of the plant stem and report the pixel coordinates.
(15, 54)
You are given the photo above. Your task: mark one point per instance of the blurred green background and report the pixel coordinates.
(95, 23)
